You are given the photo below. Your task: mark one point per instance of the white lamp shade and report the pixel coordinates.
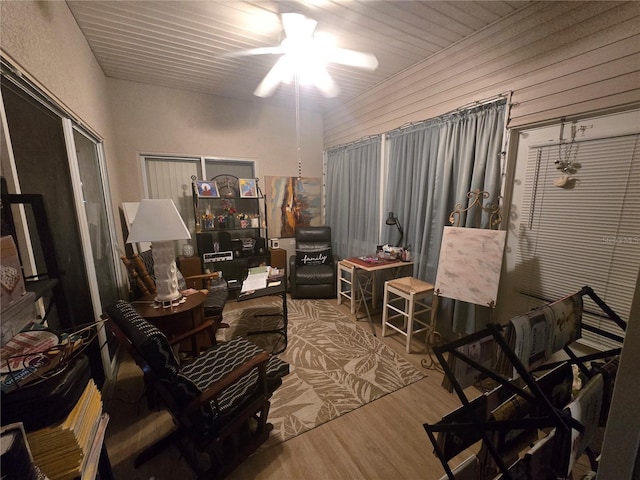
(157, 220)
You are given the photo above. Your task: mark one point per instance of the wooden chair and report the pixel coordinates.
(139, 276)
(219, 400)
(140, 268)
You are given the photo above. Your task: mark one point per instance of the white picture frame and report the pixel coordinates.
(248, 188)
(207, 189)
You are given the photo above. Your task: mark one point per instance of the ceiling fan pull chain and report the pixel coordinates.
(297, 92)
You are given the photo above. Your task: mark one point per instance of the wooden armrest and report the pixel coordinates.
(205, 278)
(259, 360)
(207, 323)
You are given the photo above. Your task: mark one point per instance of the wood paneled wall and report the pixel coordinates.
(558, 58)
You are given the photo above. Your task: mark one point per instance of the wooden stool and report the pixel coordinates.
(346, 284)
(411, 293)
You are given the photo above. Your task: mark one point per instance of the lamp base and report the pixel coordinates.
(164, 267)
(170, 303)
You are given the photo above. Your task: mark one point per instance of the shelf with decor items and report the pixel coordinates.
(230, 226)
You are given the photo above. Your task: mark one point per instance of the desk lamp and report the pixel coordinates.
(393, 220)
(159, 222)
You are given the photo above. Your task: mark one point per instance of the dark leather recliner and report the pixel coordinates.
(313, 270)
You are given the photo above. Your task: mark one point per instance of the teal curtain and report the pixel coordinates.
(431, 168)
(353, 197)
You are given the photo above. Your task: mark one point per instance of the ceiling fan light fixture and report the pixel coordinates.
(325, 40)
(309, 69)
(305, 56)
(323, 81)
(297, 26)
(305, 59)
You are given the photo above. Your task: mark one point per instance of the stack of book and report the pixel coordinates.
(62, 451)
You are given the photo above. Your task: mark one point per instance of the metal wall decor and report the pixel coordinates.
(476, 198)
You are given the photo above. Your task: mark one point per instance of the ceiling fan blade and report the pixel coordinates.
(256, 51)
(296, 49)
(297, 27)
(280, 72)
(325, 84)
(352, 58)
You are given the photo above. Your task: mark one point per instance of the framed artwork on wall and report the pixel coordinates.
(292, 201)
(248, 188)
(207, 189)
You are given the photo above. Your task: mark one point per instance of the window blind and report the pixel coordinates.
(586, 232)
(171, 178)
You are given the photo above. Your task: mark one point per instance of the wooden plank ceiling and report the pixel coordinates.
(187, 44)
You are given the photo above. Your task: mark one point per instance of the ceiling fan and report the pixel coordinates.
(304, 56)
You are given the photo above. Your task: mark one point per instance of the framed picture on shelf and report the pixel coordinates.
(248, 188)
(207, 189)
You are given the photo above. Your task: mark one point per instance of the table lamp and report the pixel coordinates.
(393, 220)
(159, 222)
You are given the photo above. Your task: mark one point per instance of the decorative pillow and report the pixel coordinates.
(318, 257)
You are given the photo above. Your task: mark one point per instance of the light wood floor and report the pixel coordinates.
(384, 439)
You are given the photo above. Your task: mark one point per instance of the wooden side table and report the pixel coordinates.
(176, 319)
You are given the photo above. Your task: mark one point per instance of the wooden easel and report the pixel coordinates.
(458, 215)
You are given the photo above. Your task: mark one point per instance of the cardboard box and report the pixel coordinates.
(11, 278)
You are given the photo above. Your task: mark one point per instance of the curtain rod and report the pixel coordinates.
(468, 106)
(478, 103)
(362, 139)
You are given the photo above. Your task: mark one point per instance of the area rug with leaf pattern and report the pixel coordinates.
(336, 365)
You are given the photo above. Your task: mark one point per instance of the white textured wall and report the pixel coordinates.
(559, 59)
(151, 119)
(43, 39)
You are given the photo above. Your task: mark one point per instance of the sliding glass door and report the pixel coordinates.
(49, 155)
(91, 192)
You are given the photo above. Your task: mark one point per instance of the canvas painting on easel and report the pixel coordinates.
(470, 263)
